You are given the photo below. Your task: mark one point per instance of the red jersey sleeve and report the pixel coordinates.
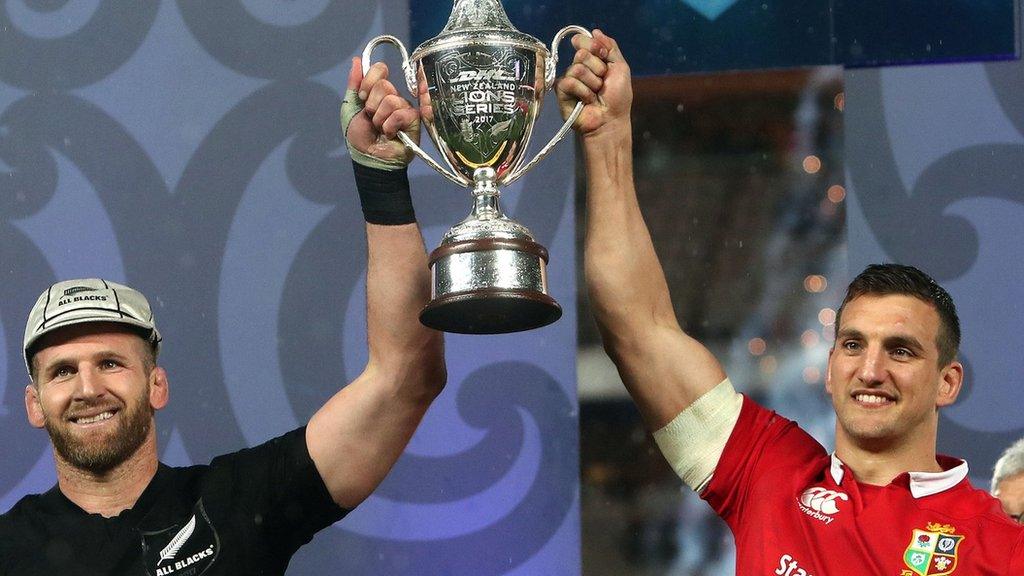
(764, 448)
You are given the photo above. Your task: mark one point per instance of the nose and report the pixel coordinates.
(872, 367)
(89, 384)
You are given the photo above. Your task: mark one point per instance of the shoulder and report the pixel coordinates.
(181, 478)
(986, 507)
(26, 508)
(994, 533)
(763, 429)
(284, 447)
(976, 510)
(24, 524)
(258, 466)
(770, 449)
(235, 473)
(766, 458)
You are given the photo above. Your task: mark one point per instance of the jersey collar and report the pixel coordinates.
(921, 484)
(57, 502)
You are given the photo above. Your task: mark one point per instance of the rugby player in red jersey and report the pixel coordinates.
(884, 502)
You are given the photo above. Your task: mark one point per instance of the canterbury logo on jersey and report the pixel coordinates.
(821, 503)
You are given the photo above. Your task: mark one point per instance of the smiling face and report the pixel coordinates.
(95, 392)
(884, 374)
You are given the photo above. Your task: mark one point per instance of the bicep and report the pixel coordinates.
(357, 436)
(664, 369)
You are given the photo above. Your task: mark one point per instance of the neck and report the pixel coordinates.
(114, 491)
(879, 462)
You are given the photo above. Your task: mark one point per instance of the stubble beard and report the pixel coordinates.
(869, 433)
(101, 457)
(874, 433)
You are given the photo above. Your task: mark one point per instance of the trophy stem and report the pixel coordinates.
(489, 275)
(485, 196)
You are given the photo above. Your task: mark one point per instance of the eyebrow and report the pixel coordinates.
(59, 361)
(849, 333)
(895, 341)
(903, 341)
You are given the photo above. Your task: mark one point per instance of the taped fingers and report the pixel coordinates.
(587, 68)
(582, 42)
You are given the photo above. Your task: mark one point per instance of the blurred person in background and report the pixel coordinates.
(1008, 481)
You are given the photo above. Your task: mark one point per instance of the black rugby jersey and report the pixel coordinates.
(244, 513)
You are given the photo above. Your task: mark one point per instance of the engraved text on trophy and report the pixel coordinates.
(485, 103)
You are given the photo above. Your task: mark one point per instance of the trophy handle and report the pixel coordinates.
(410, 74)
(412, 85)
(549, 81)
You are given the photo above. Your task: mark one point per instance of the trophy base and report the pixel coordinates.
(490, 311)
(489, 286)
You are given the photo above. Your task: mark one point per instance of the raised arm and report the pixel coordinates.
(358, 435)
(664, 369)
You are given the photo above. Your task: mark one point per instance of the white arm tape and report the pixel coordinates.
(695, 439)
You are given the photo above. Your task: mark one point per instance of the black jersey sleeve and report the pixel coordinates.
(277, 490)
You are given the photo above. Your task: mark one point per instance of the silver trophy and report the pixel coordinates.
(480, 84)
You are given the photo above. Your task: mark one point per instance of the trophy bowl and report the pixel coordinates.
(480, 85)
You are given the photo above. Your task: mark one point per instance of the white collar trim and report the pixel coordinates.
(837, 469)
(921, 483)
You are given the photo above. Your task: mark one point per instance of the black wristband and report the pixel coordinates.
(384, 195)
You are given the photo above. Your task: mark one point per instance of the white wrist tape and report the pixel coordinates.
(695, 439)
(351, 106)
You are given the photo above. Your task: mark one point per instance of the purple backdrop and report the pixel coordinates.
(935, 171)
(191, 149)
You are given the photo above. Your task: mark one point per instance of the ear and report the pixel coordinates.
(159, 391)
(952, 380)
(828, 371)
(33, 408)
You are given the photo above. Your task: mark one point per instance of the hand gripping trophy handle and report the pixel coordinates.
(412, 85)
(480, 85)
(549, 79)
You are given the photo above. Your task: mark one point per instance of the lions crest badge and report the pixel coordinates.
(932, 551)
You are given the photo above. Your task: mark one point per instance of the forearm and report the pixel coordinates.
(397, 289)
(362, 430)
(627, 287)
(664, 369)
(358, 435)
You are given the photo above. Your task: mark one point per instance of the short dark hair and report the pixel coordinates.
(886, 279)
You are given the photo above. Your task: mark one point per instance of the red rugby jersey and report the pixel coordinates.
(796, 511)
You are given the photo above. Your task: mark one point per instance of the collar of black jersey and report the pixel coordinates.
(54, 501)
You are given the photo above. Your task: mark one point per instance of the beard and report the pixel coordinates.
(874, 435)
(100, 457)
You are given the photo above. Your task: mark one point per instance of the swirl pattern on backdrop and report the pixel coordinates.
(935, 157)
(243, 229)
